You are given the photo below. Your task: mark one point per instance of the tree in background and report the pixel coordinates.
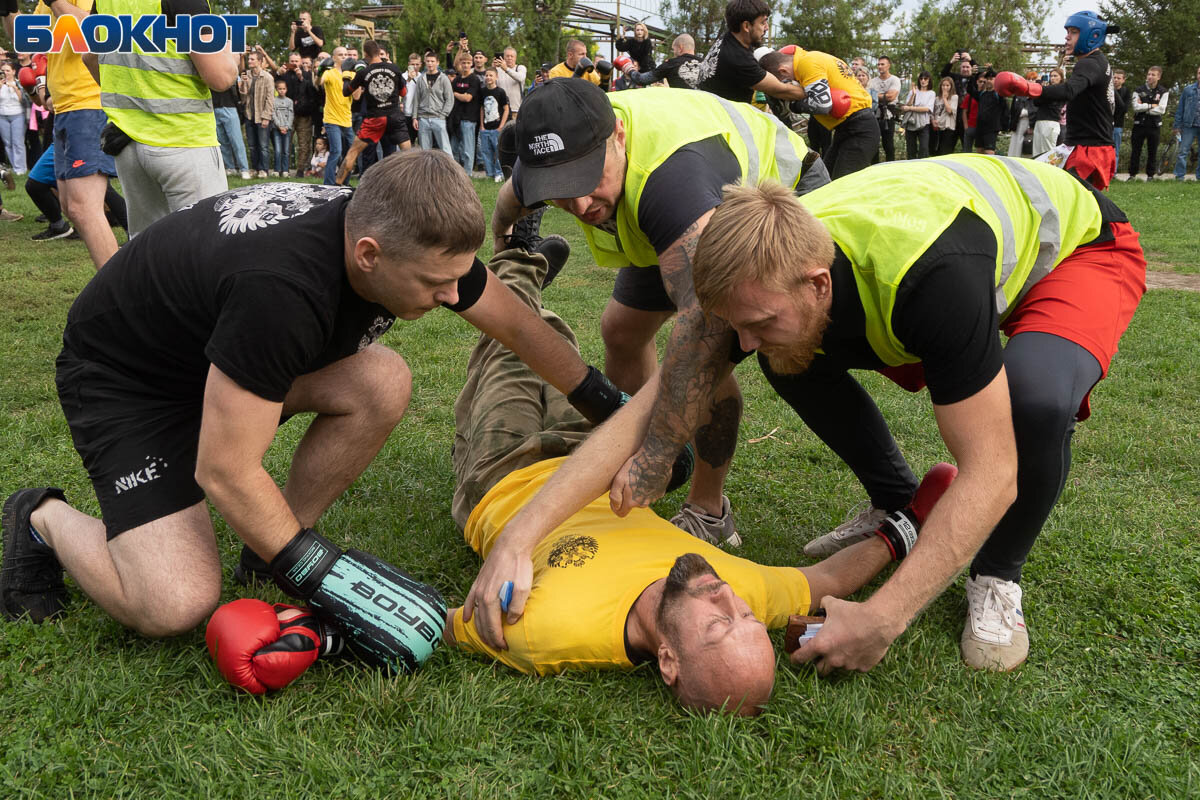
(991, 32)
(703, 19)
(1162, 33)
(844, 28)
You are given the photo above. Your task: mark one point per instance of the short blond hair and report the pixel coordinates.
(758, 233)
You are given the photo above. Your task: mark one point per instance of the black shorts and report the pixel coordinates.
(985, 139)
(138, 446)
(642, 288)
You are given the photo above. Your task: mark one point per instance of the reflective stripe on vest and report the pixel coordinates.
(654, 132)
(885, 217)
(157, 99)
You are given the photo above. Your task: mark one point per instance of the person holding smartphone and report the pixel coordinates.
(307, 39)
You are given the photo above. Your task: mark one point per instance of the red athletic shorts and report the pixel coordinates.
(1087, 299)
(373, 129)
(1096, 165)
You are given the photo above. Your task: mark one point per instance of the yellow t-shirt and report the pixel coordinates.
(67, 79)
(561, 70)
(337, 105)
(810, 66)
(589, 571)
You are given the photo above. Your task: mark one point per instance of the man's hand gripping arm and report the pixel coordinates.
(979, 433)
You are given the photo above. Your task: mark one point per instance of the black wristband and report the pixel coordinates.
(303, 563)
(899, 531)
(596, 398)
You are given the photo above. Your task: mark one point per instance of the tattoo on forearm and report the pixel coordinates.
(716, 441)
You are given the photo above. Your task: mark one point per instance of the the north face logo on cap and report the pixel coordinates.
(546, 143)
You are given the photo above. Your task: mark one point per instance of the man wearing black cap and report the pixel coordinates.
(642, 172)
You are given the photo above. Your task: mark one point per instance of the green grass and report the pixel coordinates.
(1105, 707)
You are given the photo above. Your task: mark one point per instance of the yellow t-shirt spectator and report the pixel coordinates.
(337, 105)
(810, 66)
(67, 79)
(561, 70)
(589, 571)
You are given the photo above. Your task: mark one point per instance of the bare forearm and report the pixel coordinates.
(252, 505)
(955, 530)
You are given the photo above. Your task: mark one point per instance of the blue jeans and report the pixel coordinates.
(429, 128)
(1188, 135)
(283, 147)
(339, 142)
(229, 134)
(489, 151)
(465, 145)
(12, 132)
(1117, 145)
(258, 144)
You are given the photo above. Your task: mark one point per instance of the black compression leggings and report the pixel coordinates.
(1048, 377)
(43, 197)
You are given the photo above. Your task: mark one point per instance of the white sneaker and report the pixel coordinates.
(246, 175)
(1189, 177)
(273, 174)
(1141, 178)
(229, 173)
(1121, 176)
(498, 179)
(995, 637)
(262, 173)
(714, 530)
(855, 529)
(1164, 176)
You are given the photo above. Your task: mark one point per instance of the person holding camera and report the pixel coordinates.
(307, 39)
(961, 70)
(510, 76)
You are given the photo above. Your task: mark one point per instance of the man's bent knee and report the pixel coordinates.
(384, 384)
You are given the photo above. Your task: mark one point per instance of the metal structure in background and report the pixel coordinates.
(598, 19)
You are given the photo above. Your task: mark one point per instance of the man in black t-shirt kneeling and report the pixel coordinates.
(181, 358)
(382, 83)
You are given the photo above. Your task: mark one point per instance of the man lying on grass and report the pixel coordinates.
(183, 355)
(601, 591)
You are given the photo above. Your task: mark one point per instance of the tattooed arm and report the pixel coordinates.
(695, 363)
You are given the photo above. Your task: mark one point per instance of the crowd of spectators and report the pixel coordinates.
(299, 117)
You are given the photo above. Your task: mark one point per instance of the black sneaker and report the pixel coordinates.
(527, 231)
(31, 579)
(251, 569)
(61, 230)
(40, 218)
(74, 234)
(556, 250)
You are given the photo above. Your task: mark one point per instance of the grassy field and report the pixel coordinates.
(1106, 706)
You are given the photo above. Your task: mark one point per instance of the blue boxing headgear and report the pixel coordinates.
(1092, 30)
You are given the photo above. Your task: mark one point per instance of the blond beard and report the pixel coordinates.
(795, 358)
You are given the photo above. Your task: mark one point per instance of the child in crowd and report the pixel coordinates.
(281, 130)
(493, 114)
(316, 167)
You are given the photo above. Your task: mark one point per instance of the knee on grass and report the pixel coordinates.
(175, 611)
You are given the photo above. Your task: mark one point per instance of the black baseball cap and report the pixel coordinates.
(561, 134)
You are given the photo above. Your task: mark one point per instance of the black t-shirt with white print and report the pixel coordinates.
(383, 83)
(252, 280)
(730, 71)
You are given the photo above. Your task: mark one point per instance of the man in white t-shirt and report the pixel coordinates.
(887, 88)
(510, 76)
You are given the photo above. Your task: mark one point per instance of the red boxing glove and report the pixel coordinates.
(623, 63)
(788, 49)
(39, 64)
(841, 103)
(254, 651)
(27, 77)
(899, 529)
(1010, 84)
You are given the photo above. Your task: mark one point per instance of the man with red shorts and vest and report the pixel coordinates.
(843, 279)
(1089, 95)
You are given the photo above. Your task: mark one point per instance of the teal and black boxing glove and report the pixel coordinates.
(390, 619)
